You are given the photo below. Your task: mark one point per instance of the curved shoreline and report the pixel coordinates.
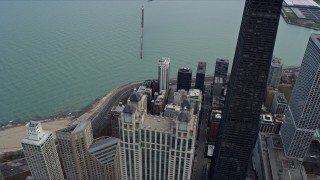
(64, 115)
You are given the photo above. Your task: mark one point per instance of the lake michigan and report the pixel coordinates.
(58, 56)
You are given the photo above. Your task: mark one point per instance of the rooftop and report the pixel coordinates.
(118, 108)
(276, 164)
(202, 67)
(223, 61)
(14, 167)
(276, 62)
(164, 60)
(185, 70)
(281, 98)
(266, 118)
(129, 109)
(218, 80)
(73, 128)
(157, 123)
(103, 142)
(135, 97)
(301, 3)
(172, 107)
(143, 89)
(194, 93)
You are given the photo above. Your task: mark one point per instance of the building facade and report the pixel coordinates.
(154, 147)
(269, 160)
(303, 114)
(275, 72)
(104, 154)
(184, 79)
(217, 86)
(74, 142)
(279, 104)
(200, 76)
(171, 111)
(240, 122)
(164, 73)
(115, 112)
(221, 69)
(41, 153)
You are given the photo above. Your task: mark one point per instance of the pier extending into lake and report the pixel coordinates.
(141, 38)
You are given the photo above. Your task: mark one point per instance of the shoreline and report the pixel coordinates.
(11, 136)
(59, 116)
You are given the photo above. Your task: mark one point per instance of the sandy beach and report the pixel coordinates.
(10, 138)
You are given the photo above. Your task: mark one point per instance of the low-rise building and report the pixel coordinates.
(279, 104)
(15, 170)
(270, 163)
(159, 103)
(171, 110)
(195, 97)
(179, 96)
(266, 123)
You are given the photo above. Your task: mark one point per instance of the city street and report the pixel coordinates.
(201, 163)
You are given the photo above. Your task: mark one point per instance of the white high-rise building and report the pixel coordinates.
(154, 147)
(41, 153)
(303, 113)
(275, 72)
(164, 73)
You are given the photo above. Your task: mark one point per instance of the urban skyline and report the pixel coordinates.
(202, 127)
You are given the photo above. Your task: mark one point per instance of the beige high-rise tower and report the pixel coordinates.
(41, 153)
(74, 142)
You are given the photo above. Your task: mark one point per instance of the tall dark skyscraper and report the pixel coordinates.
(221, 69)
(184, 79)
(239, 126)
(200, 76)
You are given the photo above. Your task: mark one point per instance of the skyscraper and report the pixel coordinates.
(74, 142)
(221, 69)
(239, 126)
(200, 76)
(154, 147)
(41, 153)
(275, 72)
(184, 79)
(303, 113)
(164, 73)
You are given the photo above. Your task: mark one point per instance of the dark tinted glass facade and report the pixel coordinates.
(184, 79)
(221, 69)
(200, 76)
(239, 126)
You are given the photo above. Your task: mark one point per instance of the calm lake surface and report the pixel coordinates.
(58, 56)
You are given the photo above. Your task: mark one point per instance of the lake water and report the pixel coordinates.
(58, 56)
